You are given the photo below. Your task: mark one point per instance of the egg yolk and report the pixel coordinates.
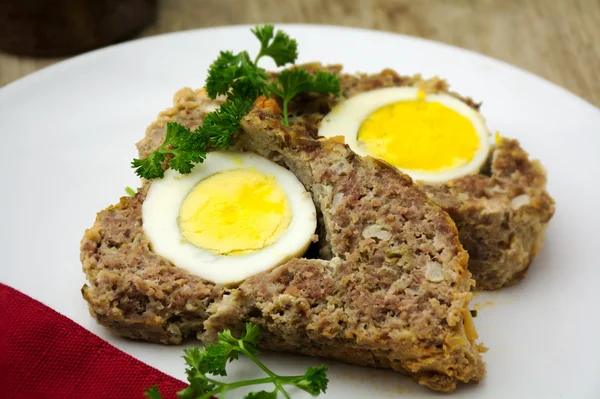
(419, 135)
(235, 212)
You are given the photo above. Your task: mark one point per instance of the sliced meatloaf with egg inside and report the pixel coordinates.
(392, 291)
(501, 212)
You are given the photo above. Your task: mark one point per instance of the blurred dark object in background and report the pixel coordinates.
(66, 27)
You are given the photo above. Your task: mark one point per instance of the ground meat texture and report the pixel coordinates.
(397, 288)
(501, 213)
(391, 291)
(133, 291)
(501, 217)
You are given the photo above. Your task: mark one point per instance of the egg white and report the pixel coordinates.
(165, 196)
(346, 118)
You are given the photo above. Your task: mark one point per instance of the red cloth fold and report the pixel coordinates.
(45, 355)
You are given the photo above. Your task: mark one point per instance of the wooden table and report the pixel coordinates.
(556, 39)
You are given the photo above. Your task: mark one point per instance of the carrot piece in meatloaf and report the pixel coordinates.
(391, 290)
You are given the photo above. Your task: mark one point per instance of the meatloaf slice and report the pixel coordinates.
(501, 213)
(394, 294)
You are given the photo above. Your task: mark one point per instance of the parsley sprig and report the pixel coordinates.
(236, 74)
(292, 82)
(278, 45)
(239, 78)
(212, 360)
(188, 147)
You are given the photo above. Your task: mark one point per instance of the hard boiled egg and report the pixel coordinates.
(431, 137)
(233, 216)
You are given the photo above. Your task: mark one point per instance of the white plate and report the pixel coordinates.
(68, 133)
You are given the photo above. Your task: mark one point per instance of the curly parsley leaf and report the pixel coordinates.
(219, 125)
(264, 34)
(217, 356)
(261, 395)
(314, 381)
(238, 73)
(222, 73)
(153, 393)
(186, 148)
(235, 73)
(292, 82)
(194, 359)
(279, 46)
(212, 360)
(242, 81)
(150, 167)
(250, 337)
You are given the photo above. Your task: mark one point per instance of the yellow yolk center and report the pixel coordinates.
(235, 212)
(419, 135)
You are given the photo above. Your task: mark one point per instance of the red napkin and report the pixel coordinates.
(44, 355)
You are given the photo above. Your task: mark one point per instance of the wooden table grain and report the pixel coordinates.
(556, 39)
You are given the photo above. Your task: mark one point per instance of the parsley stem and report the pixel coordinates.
(210, 394)
(208, 379)
(275, 379)
(258, 362)
(257, 381)
(223, 387)
(286, 122)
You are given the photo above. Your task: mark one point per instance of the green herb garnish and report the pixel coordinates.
(153, 393)
(291, 82)
(130, 191)
(239, 78)
(238, 74)
(189, 147)
(212, 360)
(278, 46)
